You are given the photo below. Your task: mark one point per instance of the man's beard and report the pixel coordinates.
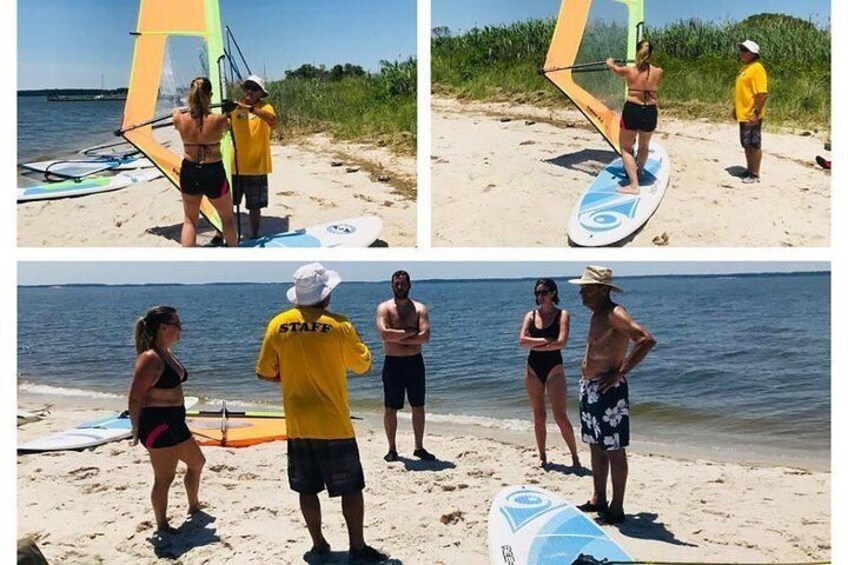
(400, 294)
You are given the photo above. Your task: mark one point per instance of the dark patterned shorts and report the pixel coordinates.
(254, 188)
(315, 464)
(751, 136)
(605, 417)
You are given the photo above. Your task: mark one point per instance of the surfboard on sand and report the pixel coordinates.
(85, 186)
(351, 232)
(111, 428)
(79, 168)
(532, 526)
(604, 216)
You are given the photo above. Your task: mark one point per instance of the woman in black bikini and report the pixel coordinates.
(545, 332)
(639, 116)
(157, 411)
(202, 171)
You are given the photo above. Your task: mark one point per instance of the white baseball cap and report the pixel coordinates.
(257, 80)
(750, 46)
(312, 284)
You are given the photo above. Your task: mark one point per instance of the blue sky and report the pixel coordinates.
(463, 15)
(40, 273)
(71, 43)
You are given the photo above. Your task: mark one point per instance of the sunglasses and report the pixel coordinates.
(251, 87)
(542, 292)
(177, 325)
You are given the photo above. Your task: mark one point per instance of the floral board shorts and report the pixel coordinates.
(605, 417)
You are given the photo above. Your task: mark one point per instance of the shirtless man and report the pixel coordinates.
(604, 402)
(404, 326)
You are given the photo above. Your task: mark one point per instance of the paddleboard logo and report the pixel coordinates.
(508, 556)
(524, 506)
(341, 229)
(606, 212)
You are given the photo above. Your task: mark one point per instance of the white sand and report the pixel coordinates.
(511, 184)
(304, 190)
(93, 506)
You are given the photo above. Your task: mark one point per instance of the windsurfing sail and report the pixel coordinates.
(587, 33)
(175, 42)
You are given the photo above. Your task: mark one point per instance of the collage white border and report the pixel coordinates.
(11, 255)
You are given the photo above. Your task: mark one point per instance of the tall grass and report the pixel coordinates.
(377, 107)
(700, 60)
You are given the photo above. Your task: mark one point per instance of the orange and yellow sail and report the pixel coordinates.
(158, 22)
(562, 63)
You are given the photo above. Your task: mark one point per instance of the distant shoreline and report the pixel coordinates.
(73, 92)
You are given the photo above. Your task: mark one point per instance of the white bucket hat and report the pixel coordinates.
(596, 275)
(257, 80)
(312, 284)
(750, 46)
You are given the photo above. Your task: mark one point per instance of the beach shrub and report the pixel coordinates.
(700, 59)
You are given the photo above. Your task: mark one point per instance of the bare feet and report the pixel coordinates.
(630, 189)
(192, 510)
(575, 462)
(543, 461)
(321, 548)
(166, 529)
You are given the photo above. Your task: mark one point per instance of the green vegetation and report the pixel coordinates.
(700, 60)
(350, 103)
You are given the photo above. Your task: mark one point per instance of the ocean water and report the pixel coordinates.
(52, 130)
(742, 362)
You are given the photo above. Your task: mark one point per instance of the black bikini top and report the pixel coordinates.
(170, 378)
(551, 331)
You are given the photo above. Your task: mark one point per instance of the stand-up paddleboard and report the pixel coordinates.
(353, 232)
(532, 526)
(122, 419)
(604, 216)
(225, 428)
(111, 428)
(79, 168)
(89, 185)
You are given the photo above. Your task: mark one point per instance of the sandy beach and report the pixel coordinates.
(533, 168)
(93, 507)
(315, 180)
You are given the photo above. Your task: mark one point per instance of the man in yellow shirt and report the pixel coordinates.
(309, 350)
(749, 107)
(253, 121)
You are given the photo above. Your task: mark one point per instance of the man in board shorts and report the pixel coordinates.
(749, 107)
(309, 350)
(253, 121)
(604, 398)
(404, 326)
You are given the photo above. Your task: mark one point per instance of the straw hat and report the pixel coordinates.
(596, 275)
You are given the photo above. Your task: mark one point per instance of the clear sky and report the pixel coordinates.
(463, 15)
(42, 273)
(72, 43)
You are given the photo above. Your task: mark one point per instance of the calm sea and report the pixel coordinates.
(742, 362)
(53, 130)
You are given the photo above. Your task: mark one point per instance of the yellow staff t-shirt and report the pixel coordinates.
(311, 350)
(750, 81)
(253, 140)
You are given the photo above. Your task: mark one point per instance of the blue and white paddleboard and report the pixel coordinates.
(353, 232)
(111, 428)
(604, 216)
(532, 526)
(85, 186)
